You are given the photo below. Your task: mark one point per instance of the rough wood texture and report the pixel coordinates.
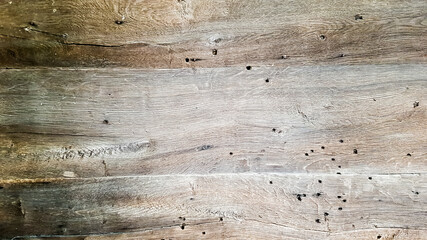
(243, 206)
(163, 33)
(202, 119)
(191, 121)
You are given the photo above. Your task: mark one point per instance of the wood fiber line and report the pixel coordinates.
(95, 122)
(234, 206)
(207, 33)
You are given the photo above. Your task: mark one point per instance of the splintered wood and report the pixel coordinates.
(201, 119)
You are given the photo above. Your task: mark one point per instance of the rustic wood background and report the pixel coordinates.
(202, 119)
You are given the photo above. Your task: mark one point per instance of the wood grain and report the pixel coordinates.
(163, 33)
(224, 206)
(129, 122)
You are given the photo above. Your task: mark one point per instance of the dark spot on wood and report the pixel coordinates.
(33, 24)
(358, 17)
(301, 195)
(340, 208)
(311, 150)
(320, 181)
(221, 219)
(416, 192)
(248, 67)
(341, 55)
(374, 99)
(341, 141)
(408, 155)
(322, 37)
(214, 51)
(1, 187)
(326, 214)
(370, 178)
(355, 151)
(105, 121)
(204, 147)
(191, 199)
(284, 57)
(379, 236)
(182, 218)
(318, 220)
(317, 194)
(118, 22)
(338, 173)
(183, 226)
(11, 53)
(267, 80)
(416, 104)
(187, 59)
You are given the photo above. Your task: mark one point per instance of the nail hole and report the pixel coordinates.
(118, 22)
(203, 233)
(248, 67)
(271, 182)
(341, 141)
(214, 51)
(416, 104)
(187, 59)
(322, 147)
(221, 219)
(284, 57)
(339, 166)
(340, 208)
(320, 181)
(333, 159)
(267, 80)
(183, 226)
(273, 129)
(191, 199)
(311, 150)
(322, 37)
(370, 178)
(379, 236)
(344, 200)
(231, 153)
(306, 154)
(318, 220)
(326, 214)
(355, 151)
(339, 197)
(408, 155)
(358, 17)
(33, 24)
(105, 122)
(338, 173)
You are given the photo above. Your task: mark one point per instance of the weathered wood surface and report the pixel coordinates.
(163, 33)
(202, 119)
(235, 206)
(190, 121)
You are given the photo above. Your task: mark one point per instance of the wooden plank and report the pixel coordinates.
(237, 206)
(213, 121)
(163, 33)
